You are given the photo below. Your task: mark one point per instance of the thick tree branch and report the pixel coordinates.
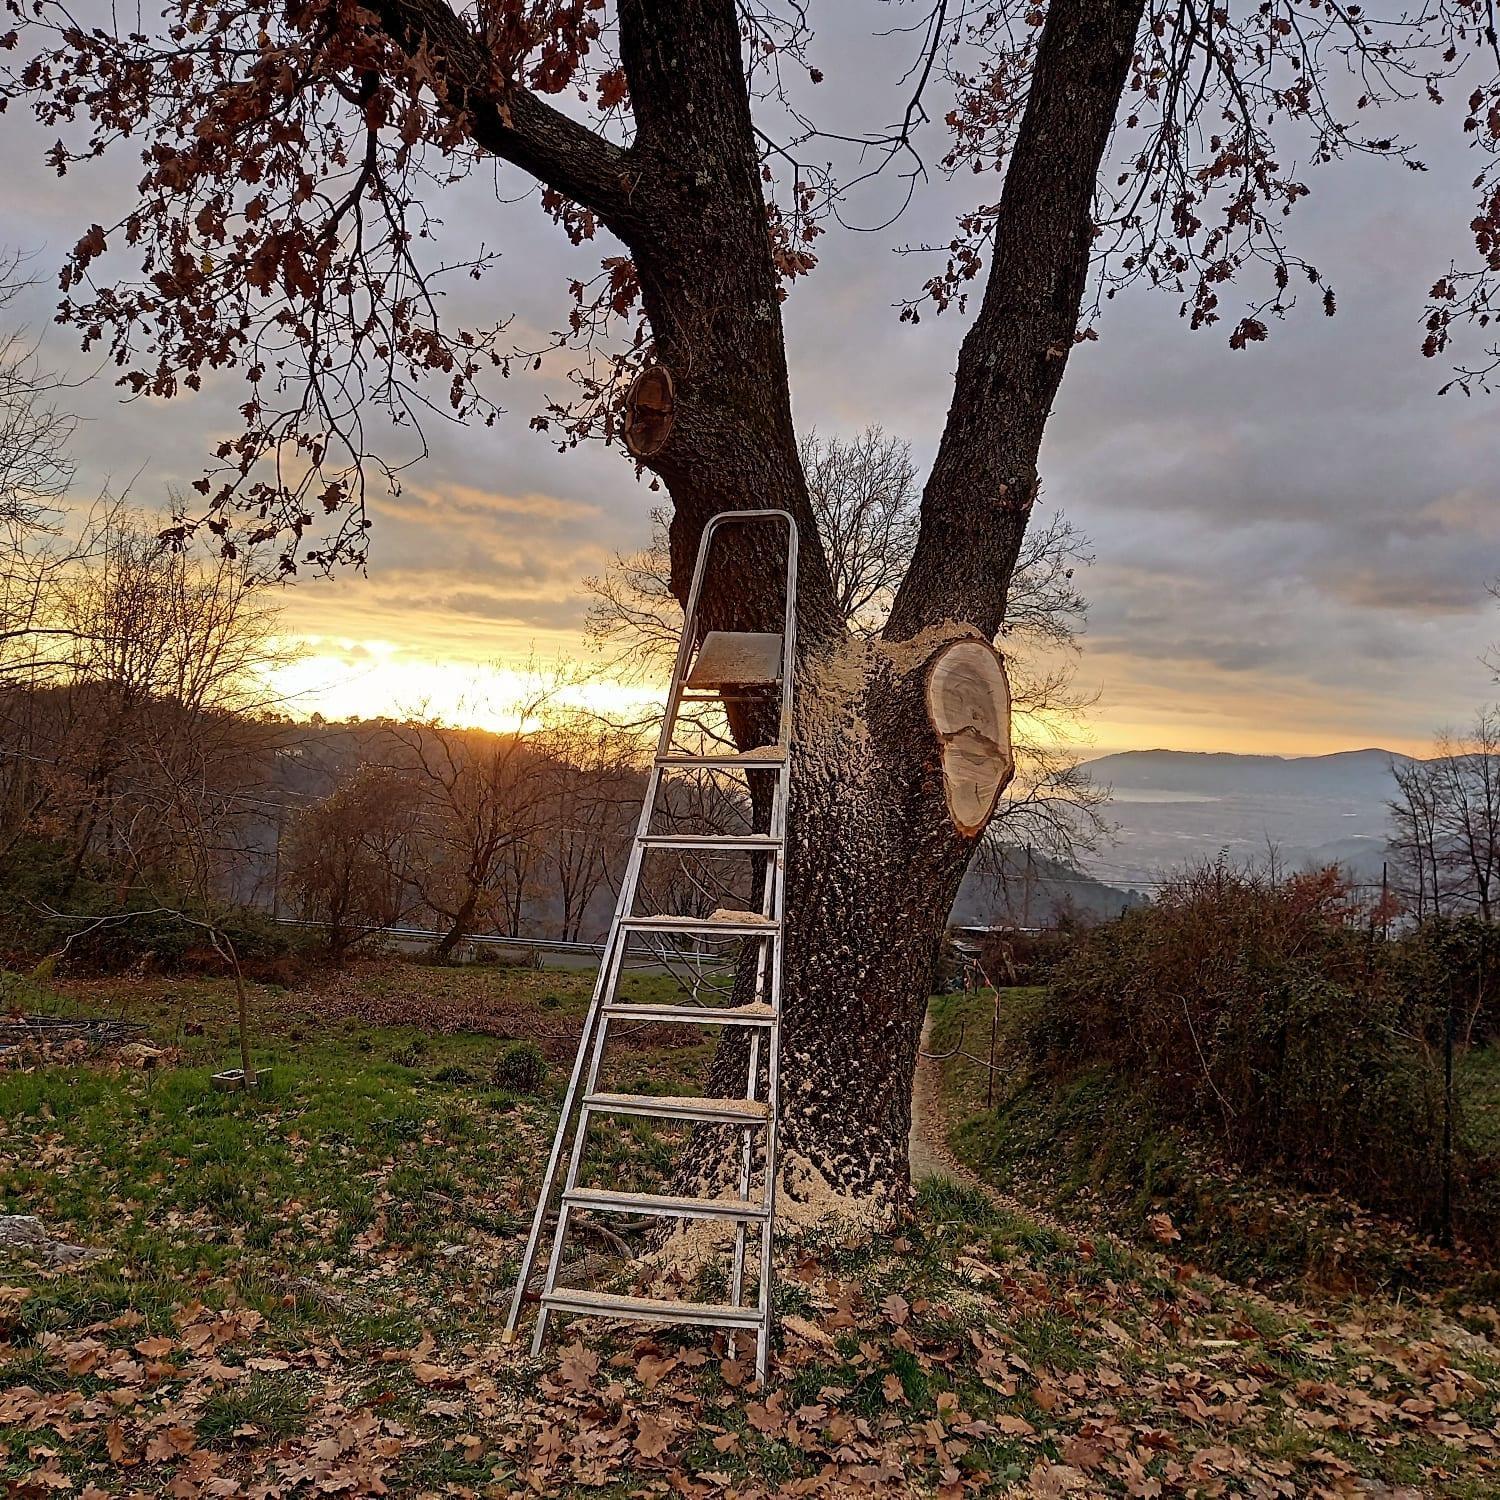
(710, 291)
(979, 495)
(506, 118)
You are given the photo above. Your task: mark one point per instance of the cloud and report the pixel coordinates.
(1294, 541)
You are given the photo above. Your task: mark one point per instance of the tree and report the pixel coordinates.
(156, 738)
(140, 740)
(348, 857)
(864, 498)
(34, 466)
(591, 793)
(284, 226)
(35, 471)
(1446, 822)
(863, 495)
(481, 797)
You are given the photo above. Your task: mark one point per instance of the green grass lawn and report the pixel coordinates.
(299, 1291)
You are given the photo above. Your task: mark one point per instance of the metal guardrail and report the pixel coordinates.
(430, 935)
(502, 940)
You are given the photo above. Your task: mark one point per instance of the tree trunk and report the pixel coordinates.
(458, 928)
(874, 860)
(874, 864)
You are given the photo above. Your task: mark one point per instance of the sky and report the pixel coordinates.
(1292, 543)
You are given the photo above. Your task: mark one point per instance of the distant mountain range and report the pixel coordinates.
(1172, 807)
(1346, 773)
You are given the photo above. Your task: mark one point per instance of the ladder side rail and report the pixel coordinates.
(789, 633)
(747, 1146)
(575, 1157)
(685, 645)
(770, 907)
(570, 1099)
(604, 985)
(773, 1092)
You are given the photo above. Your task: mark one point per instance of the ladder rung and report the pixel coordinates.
(764, 755)
(703, 1015)
(722, 923)
(737, 658)
(645, 1310)
(725, 841)
(667, 1107)
(664, 1205)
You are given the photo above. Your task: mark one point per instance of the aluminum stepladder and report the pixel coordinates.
(727, 664)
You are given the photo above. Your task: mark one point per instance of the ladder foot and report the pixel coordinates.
(539, 1333)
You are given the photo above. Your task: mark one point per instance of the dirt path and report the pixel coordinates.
(930, 1156)
(927, 1145)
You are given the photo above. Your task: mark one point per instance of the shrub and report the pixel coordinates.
(1266, 1014)
(38, 878)
(521, 1068)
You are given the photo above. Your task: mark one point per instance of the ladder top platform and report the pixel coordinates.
(762, 755)
(737, 658)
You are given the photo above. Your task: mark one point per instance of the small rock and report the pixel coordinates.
(26, 1233)
(140, 1055)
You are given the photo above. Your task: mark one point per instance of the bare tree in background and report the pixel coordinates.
(865, 496)
(1446, 823)
(35, 469)
(348, 859)
(593, 789)
(864, 493)
(482, 797)
(35, 472)
(146, 732)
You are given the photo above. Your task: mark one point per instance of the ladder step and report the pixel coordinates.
(693, 1107)
(646, 1310)
(664, 1205)
(722, 923)
(726, 841)
(702, 1015)
(762, 755)
(737, 658)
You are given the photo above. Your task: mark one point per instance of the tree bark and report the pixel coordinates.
(460, 924)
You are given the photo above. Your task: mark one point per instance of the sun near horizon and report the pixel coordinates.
(347, 677)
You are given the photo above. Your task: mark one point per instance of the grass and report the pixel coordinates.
(302, 1287)
(1477, 1083)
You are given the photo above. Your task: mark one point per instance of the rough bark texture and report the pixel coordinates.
(978, 497)
(874, 859)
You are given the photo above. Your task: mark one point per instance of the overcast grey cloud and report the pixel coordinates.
(1293, 541)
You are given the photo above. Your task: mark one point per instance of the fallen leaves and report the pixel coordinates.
(936, 1364)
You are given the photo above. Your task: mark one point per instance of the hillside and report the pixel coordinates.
(1344, 774)
(1002, 891)
(265, 1321)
